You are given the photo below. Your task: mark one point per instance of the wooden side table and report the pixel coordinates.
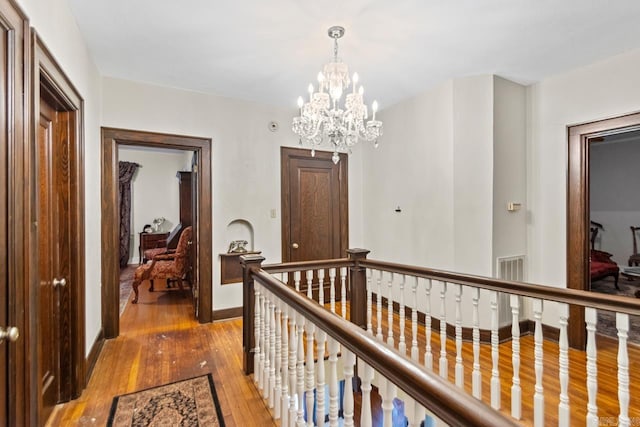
(230, 268)
(151, 241)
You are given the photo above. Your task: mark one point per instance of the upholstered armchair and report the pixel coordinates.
(169, 266)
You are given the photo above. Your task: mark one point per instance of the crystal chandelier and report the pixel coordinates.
(325, 118)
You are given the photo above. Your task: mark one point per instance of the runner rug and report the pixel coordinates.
(191, 402)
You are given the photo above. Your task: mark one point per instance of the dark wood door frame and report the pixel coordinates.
(579, 138)
(48, 79)
(287, 153)
(111, 139)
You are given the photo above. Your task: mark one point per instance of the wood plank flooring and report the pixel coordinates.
(161, 342)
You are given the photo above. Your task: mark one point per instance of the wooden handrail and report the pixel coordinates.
(307, 265)
(570, 296)
(440, 397)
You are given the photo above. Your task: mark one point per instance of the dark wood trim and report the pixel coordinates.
(287, 153)
(579, 138)
(111, 139)
(427, 388)
(47, 75)
(94, 353)
(15, 192)
(227, 313)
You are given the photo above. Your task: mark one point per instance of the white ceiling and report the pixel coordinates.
(268, 51)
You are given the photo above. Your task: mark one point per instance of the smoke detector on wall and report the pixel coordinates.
(273, 126)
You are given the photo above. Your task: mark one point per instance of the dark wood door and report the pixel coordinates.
(53, 252)
(194, 276)
(314, 206)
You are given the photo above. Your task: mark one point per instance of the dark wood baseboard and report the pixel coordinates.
(527, 327)
(92, 358)
(227, 313)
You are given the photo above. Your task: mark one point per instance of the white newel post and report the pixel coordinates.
(516, 389)
(622, 324)
(495, 353)
(476, 376)
(443, 364)
(591, 319)
(459, 366)
(563, 362)
(538, 396)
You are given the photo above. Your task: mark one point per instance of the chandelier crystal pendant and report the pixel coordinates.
(325, 117)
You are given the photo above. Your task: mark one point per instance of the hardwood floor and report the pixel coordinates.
(161, 342)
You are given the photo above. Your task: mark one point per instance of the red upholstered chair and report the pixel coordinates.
(601, 265)
(170, 266)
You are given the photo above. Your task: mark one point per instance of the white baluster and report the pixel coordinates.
(538, 396)
(321, 287)
(300, 372)
(332, 290)
(272, 352)
(390, 339)
(293, 359)
(296, 280)
(309, 372)
(563, 406)
(379, 307)
(310, 284)
(334, 349)
(367, 377)
(495, 353)
(264, 356)
(343, 291)
(277, 393)
(591, 319)
(459, 365)
(414, 321)
(321, 338)
(444, 365)
(284, 363)
(257, 331)
(428, 355)
(476, 376)
(516, 390)
(388, 393)
(348, 403)
(369, 301)
(402, 345)
(622, 324)
(414, 412)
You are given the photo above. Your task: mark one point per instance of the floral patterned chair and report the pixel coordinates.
(169, 266)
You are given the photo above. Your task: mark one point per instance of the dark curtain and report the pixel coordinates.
(127, 170)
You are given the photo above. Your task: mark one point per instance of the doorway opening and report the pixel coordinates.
(112, 141)
(580, 141)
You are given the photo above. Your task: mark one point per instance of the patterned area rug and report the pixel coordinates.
(191, 402)
(126, 280)
(607, 319)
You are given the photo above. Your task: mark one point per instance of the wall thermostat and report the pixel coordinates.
(273, 126)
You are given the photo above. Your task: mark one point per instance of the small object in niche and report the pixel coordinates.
(238, 246)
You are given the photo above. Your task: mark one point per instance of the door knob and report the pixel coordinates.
(59, 282)
(11, 334)
(294, 246)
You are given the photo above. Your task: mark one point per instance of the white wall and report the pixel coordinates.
(614, 176)
(154, 190)
(56, 26)
(245, 155)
